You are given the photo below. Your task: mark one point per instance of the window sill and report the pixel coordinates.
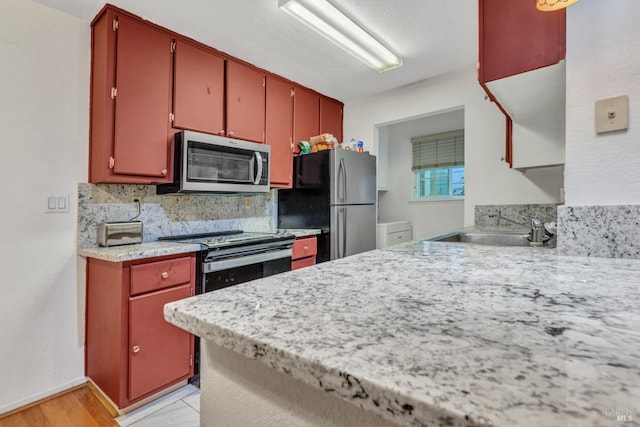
(438, 200)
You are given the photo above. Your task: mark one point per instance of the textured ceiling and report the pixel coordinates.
(432, 36)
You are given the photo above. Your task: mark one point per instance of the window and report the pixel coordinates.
(438, 166)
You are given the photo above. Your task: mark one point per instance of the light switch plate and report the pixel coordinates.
(57, 203)
(612, 114)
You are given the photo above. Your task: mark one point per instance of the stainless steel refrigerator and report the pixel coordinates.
(335, 191)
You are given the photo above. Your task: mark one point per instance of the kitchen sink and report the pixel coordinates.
(484, 238)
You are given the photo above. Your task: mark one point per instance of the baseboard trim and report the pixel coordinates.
(103, 398)
(34, 400)
(116, 411)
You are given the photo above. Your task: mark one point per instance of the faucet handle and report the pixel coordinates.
(536, 224)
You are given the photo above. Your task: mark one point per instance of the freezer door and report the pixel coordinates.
(353, 230)
(353, 178)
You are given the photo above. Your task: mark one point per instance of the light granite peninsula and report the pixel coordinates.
(424, 334)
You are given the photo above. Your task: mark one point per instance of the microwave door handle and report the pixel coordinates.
(258, 160)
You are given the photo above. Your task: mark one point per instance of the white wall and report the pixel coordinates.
(427, 218)
(603, 41)
(488, 179)
(44, 111)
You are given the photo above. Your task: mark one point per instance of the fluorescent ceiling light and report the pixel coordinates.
(328, 21)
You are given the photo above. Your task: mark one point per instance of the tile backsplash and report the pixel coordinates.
(164, 215)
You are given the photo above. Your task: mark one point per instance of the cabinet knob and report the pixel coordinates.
(165, 275)
(163, 172)
(221, 132)
(136, 349)
(306, 248)
(230, 133)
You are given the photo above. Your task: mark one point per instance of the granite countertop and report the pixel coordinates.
(445, 334)
(138, 251)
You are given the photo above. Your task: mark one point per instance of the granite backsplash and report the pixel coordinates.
(487, 215)
(164, 215)
(608, 231)
(611, 231)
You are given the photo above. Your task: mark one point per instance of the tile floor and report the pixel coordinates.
(180, 408)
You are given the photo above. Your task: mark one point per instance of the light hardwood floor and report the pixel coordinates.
(78, 407)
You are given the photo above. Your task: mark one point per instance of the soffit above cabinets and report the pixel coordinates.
(535, 101)
(433, 37)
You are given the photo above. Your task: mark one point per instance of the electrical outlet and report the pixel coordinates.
(612, 114)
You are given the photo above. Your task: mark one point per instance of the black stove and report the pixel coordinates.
(232, 243)
(232, 257)
(230, 252)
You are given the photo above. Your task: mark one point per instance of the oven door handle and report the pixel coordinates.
(240, 261)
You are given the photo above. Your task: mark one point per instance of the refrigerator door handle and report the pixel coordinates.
(342, 182)
(338, 234)
(345, 234)
(341, 233)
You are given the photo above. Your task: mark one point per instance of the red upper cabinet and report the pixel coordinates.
(245, 102)
(198, 89)
(515, 37)
(306, 115)
(331, 117)
(147, 83)
(520, 58)
(279, 130)
(130, 100)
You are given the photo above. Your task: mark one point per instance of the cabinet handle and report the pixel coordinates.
(221, 132)
(136, 349)
(165, 275)
(163, 172)
(306, 248)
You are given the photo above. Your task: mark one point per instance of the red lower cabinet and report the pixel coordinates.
(304, 252)
(131, 351)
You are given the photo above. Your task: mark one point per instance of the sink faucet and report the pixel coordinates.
(536, 236)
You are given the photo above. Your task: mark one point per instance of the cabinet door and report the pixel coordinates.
(245, 102)
(331, 117)
(515, 37)
(198, 90)
(279, 131)
(159, 353)
(306, 116)
(143, 99)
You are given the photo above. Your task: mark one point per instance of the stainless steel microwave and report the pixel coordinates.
(206, 163)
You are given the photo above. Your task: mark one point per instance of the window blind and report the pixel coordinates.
(438, 151)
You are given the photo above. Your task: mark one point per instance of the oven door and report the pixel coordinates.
(219, 274)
